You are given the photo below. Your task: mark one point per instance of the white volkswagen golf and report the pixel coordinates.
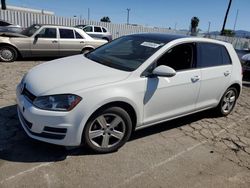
(133, 82)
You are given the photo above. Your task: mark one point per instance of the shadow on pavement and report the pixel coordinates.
(16, 146)
(37, 59)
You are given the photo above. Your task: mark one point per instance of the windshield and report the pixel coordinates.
(126, 53)
(29, 31)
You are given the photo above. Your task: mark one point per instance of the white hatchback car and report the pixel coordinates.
(133, 82)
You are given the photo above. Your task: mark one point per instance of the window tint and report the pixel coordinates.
(104, 30)
(225, 56)
(47, 33)
(78, 36)
(88, 29)
(212, 55)
(66, 34)
(180, 57)
(97, 29)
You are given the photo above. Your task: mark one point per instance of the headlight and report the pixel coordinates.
(64, 102)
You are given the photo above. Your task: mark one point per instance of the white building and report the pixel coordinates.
(23, 9)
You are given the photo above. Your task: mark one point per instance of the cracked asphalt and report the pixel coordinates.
(199, 150)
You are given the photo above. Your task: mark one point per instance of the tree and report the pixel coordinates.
(105, 19)
(194, 24)
(225, 18)
(228, 32)
(3, 3)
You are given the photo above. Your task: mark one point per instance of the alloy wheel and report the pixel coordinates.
(107, 130)
(228, 101)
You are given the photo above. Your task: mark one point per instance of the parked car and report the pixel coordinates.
(96, 31)
(130, 83)
(9, 27)
(46, 41)
(245, 59)
(244, 56)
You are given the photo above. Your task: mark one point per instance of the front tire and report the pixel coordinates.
(227, 102)
(108, 130)
(8, 54)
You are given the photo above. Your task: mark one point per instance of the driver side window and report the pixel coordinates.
(47, 33)
(180, 57)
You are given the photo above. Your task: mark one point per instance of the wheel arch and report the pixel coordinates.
(88, 48)
(124, 105)
(7, 44)
(237, 86)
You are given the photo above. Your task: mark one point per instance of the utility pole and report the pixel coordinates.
(175, 25)
(208, 30)
(88, 14)
(236, 19)
(225, 18)
(128, 9)
(3, 3)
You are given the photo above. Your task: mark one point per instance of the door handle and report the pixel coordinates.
(81, 42)
(195, 78)
(54, 41)
(226, 73)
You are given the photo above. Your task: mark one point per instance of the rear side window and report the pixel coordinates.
(97, 29)
(212, 55)
(78, 36)
(225, 56)
(66, 34)
(104, 30)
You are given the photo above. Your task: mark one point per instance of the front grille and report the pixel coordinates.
(28, 94)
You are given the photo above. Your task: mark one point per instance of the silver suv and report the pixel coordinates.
(96, 31)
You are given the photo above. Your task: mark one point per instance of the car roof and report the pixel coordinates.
(166, 38)
(159, 36)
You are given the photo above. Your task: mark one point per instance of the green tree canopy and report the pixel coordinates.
(105, 19)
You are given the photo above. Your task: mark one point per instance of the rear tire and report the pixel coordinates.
(8, 54)
(107, 130)
(227, 102)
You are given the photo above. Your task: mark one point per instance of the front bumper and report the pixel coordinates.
(61, 128)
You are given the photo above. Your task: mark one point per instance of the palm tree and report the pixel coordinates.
(3, 3)
(194, 24)
(225, 18)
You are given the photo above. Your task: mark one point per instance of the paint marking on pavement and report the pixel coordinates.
(137, 175)
(26, 171)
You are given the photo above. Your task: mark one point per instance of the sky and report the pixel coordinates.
(152, 13)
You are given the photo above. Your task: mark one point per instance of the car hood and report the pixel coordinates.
(11, 34)
(67, 75)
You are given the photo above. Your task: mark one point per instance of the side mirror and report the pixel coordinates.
(37, 36)
(164, 71)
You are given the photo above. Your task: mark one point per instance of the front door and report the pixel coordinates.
(46, 43)
(170, 97)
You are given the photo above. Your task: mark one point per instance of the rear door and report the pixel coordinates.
(70, 42)
(216, 69)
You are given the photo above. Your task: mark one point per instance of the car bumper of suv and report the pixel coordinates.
(48, 126)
